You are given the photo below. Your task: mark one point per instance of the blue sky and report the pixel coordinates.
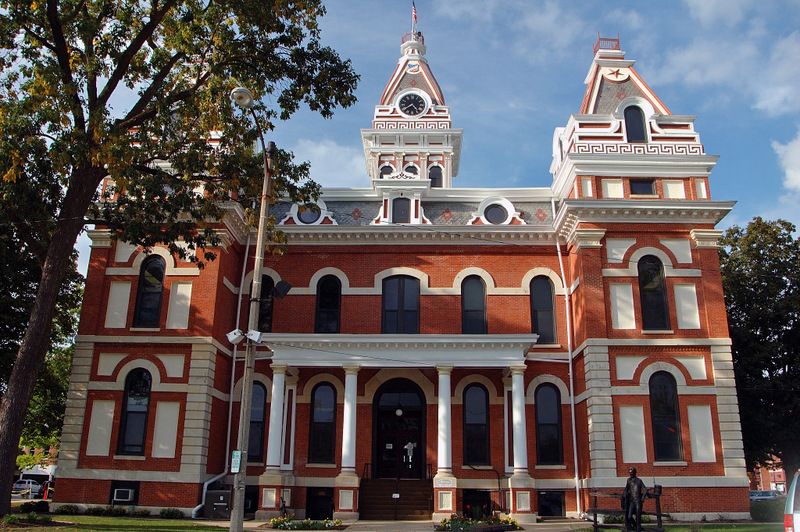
(513, 70)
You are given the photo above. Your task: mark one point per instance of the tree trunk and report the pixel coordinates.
(36, 341)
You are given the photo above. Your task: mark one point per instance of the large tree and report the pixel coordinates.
(137, 91)
(761, 278)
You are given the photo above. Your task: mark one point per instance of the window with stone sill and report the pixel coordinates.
(329, 300)
(476, 425)
(473, 306)
(135, 410)
(322, 429)
(149, 293)
(549, 441)
(653, 294)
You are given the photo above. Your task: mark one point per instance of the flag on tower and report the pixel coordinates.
(413, 12)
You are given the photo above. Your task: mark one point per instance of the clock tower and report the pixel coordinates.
(411, 150)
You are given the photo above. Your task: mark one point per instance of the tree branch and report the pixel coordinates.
(124, 60)
(62, 55)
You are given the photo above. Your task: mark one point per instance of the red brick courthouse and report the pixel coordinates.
(472, 349)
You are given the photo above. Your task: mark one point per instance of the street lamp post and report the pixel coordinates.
(244, 99)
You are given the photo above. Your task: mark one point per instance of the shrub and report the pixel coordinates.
(34, 506)
(171, 513)
(115, 511)
(769, 511)
(95, 510)
(67, 509)
(140, 512)
(288, 523)
(26, 507)
(11, 519)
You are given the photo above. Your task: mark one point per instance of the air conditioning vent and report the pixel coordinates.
(123, 495)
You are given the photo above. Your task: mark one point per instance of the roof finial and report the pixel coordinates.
(606, 43)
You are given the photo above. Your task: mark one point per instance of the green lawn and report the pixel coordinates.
(121, 524)
(716, 527)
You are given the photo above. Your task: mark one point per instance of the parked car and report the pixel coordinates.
(46, 489)
(791, 512)
(765, 495)
(25, 487)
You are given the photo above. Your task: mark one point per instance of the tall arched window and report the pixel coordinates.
(543, 320)
(653, 294)
(135, 407)
(665, 417)
(549, 444)
(476, 425)
(329, 300)
(265, 306)
(634, 125)
(322, 429)
(473, 306)
(400, 305)
(258, 411)
(435, 175)
(401, 211)
(149, 292)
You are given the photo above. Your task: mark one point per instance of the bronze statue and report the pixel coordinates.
(632, 499)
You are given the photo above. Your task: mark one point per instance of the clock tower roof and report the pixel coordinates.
(412, 141)
(412, 72)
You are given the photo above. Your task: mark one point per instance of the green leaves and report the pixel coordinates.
(761, 277)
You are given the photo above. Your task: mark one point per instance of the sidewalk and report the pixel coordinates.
(556, 525)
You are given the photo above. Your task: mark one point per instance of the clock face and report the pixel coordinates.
(412, 104)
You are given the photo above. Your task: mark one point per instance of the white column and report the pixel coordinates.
(276, 417)
(518, 420)
(444, 460)
(349, 421)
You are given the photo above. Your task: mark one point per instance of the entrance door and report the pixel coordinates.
(399, 430)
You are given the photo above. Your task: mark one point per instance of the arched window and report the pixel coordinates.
(549, 444)
(435, 175)
(411, 169)
(386, 169)
(665, 417)
(149, 292)
(322, 430)
(258, 410)
(135, 407)
(400, 305)
(653, 294)
(329, 300)
(401, 211)
(473, 306)
(476, 425)
(635, 125)
(543, 320)
(266, 303)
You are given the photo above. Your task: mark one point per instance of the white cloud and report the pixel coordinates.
(777, 89)
(457, 9)
(333, 165)
(765, 73)
(789, 160)
(712, 12)
(709, 62)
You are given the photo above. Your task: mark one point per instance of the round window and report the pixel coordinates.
(307, 215)
(495, 213)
